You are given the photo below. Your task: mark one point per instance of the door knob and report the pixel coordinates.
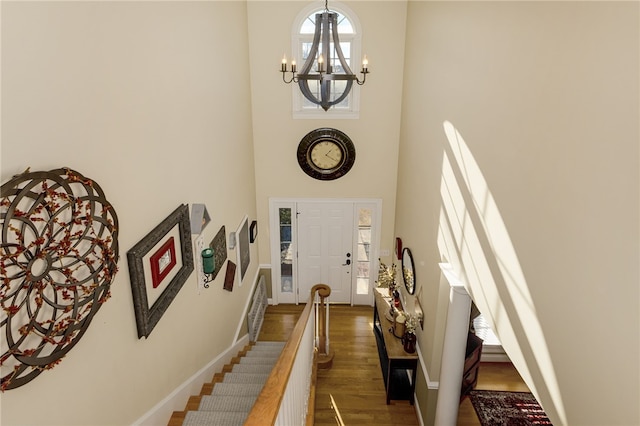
(348, 262)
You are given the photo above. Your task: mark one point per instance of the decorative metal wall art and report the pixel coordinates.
(58, 257)
(219, 246)
(166, 249)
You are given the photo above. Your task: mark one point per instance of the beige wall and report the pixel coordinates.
(151, 100)
(533, 193)
(375, 134)
(545, 99)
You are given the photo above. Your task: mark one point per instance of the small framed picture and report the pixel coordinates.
(398, 248)
(243, 253)
(163, 261)
(230, 276)
(253, 231)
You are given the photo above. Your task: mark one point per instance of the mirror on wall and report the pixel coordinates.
(408, 271)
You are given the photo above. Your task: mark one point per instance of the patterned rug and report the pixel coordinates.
(500, 408)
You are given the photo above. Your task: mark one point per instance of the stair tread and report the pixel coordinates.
(263, 354)
(234, 389)
(227, 403)
(218, 418)
(258, 360)
(232, 398)
(267, 347)
(245, 378)
(252, 368)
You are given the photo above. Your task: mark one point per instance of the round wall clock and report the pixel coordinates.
(326, 154)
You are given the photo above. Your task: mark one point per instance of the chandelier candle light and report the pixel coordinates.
(325, 41)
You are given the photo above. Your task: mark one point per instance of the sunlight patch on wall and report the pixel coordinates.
(475, 241)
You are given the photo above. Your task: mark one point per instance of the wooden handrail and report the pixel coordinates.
(267, 405)
(323, 291)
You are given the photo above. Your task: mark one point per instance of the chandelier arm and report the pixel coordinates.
(293, 78)
(321, 30)
(337, 47)
(310, 77)
(326, 45)
(343, 96)
(325, 103)
(325, 94)
(304, 88)
(336, 77)
(313, 52)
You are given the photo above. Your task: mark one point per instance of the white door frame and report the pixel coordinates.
(274, 239)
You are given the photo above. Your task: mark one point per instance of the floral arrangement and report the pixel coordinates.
(387, 276)
(411, 322)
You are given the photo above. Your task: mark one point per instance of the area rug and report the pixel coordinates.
(501, 408)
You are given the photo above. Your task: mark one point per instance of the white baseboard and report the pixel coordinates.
(418, 412)
(430, 384)
(176, 400)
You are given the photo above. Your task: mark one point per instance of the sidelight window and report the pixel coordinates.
(286, 251)
(363, 260)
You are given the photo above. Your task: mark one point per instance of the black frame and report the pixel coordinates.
(405, 264)
(320, 135)
(253, 231)
(147, 317)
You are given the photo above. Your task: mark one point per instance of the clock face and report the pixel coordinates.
(326, 154)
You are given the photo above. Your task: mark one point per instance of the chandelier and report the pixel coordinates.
(331, 65)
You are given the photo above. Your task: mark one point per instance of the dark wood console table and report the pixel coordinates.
(471, 365)
(398, 367)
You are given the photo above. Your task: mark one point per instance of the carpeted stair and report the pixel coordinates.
(232, 398)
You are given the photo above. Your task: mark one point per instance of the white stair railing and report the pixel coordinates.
(295, 401)
(287, 398)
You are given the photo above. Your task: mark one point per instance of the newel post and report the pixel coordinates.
(325, 357)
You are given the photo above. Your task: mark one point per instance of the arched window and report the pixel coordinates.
(350, 40)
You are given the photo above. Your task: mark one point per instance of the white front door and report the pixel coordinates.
(325, 245)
